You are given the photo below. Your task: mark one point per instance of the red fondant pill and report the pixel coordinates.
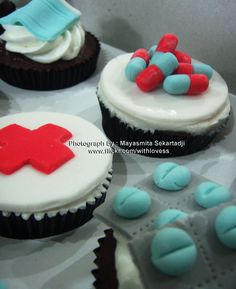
(184, 68)
(182, 56)
(168, 43)
(198, 84)
(150, 78)
(142, 53)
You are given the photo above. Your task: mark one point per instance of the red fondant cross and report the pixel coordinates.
(42, 148)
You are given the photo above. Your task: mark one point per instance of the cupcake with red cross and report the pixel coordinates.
(52, 175)
(49, 49)
(162, 103)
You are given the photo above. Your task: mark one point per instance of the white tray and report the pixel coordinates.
(65, 262)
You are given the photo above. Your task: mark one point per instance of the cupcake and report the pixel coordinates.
(52, 175)
(163, 237)
(49, 50)
(180, 117)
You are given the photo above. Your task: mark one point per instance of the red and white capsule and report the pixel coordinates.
(138, 62)
(192, 84)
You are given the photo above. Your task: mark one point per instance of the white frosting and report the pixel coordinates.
(28, 190)
(157, 109)
(126, 270)
(67, 46)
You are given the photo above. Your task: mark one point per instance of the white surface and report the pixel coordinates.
(158, 109)
(66, 261)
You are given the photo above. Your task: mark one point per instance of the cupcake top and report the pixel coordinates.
(158, 109)
(49, 160)
(48, 31)
(131, 88)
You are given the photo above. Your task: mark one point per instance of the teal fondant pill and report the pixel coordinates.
(130, 202)
(209, 194)
(225, 226)
(134, 67)
(166, 62)
(177, 84)
(203, 69)
(173, 251)
(167, 217)
(152, 50)
(171, 176)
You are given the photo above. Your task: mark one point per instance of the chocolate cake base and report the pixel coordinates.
(20, 71)
(105, 274)
(15, 227)
(159, 143)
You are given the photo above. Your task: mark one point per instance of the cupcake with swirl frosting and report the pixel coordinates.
(49, 49)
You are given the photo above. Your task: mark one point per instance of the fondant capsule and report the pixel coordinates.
(137, 63)
(151, 77)
(191, 84)
(167, 43)
(152, 50)
(187, 68)
(182, 56)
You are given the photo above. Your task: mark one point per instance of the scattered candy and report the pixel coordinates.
(191, 84)
(137, 63)
(167, 217)
(150, 68)
(187, 68)
(131, 203)
(225, 226)
(171, 176)
(182, 56)
(151, 77)
(210, 194)
(173, 251)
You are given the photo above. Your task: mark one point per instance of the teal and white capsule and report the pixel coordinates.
(199, 68)
(138, 62)
(192, 84)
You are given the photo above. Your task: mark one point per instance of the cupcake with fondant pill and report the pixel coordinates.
(163, 238)
(49, 50)
(51, 179)
(162, 103)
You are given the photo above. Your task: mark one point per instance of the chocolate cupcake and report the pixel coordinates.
(155, 122)
(50, 177)
(6, 7)
(105, 274)
(47, 53)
